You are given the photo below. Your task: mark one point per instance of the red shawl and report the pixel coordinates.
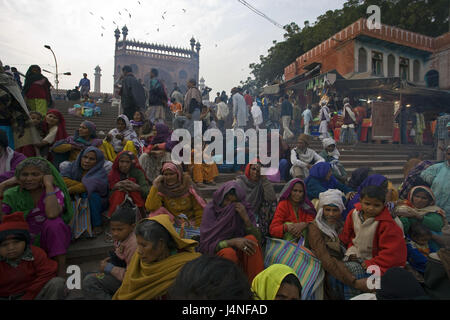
(61, 134)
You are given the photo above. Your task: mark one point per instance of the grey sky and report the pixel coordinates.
(74, 34)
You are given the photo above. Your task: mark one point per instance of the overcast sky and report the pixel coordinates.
(231, 35)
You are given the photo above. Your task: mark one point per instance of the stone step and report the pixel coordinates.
(88, 249)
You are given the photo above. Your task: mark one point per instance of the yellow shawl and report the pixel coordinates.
(150, 281)
(267, 283)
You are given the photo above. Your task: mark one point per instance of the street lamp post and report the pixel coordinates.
(56, 63)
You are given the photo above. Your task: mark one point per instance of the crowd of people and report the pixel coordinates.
(320, 238)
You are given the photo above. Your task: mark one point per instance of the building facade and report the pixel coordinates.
(175, 65)
(357, 52)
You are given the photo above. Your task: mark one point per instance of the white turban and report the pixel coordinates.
(328, 142)
(329, 197)
(332, 197)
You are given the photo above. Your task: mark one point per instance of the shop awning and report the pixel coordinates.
(271, 90)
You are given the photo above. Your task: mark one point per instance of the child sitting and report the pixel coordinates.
(103, 285)
(371, 235)
(26, 273)
(417, 245)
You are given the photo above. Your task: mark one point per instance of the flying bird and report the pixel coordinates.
(173, 25)
(184, 10)
(163, 17)
(164, 13)
(139, 2)
(102, 18)
(157, 29)
(120, 13)
(91, 13)
(102, 34)
(103, 28)
(129, 15)
(126, 10)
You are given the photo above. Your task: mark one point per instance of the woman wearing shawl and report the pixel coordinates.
(331, 155)
(137, 122)
(123, 138)
(158, 151)
(358, 177)
(303, 158)
(40, 193)
(413, 178)
(87, 178)
(173, 193)
(323, 240)
(158, 259)
(69, 149)
(421, 207)
(293, 213)
(37, 90)
(127, 178)
(321, 179)
(260, 194)
(229, 230)
(54, 128)
(277, 282)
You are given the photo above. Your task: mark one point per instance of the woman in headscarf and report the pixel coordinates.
(87, 178)
(260, 194)
(293, 213)
(127, 178)
(303, 158)
(54, 128)
(323, 240)
(421, 207)
(40, 193)
(413, 178)
(321, 179)
(173, 193)
(331, 155)
(277, 282)
(229, 230)
(158, 259)
(37, 90)
(158, 151)
(358, 177)
(69, 149)
(123, 137)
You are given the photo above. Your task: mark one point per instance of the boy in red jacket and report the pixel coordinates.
(371, 235)
(26, 273)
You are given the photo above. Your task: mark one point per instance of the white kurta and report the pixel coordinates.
(240, 111)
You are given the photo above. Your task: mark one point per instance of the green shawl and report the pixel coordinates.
(21, 200)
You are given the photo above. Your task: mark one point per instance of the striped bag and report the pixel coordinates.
(81, 221)
(302, 261)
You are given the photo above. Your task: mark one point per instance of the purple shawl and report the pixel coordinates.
(372, 180)
(163, 135)
(307, 205)
(79, 142)
(319, 171)
(96, 179)
(222, 223)
(15, 160)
